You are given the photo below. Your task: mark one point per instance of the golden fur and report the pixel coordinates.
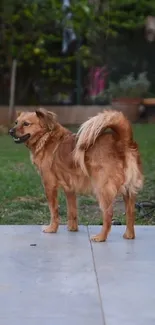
(93, 161)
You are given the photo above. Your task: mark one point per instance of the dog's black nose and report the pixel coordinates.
(12, 132)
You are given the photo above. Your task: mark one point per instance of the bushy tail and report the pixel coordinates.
(95, 126)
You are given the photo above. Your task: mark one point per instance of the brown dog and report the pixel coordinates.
(93, 161)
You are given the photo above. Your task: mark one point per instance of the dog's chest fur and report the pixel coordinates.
(35, 161)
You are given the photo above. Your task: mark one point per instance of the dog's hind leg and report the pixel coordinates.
(71, 211)
(102, 236)
(129, 200)
(106, 198)
(51, 194)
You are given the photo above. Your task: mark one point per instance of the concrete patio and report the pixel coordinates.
(64, 279)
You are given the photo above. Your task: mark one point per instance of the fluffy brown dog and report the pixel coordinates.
(93, 161)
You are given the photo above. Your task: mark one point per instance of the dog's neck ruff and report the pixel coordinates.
(42, 141)
(53, 136)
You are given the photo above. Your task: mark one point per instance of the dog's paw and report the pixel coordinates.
(72, 228)
(50, 229)
(98, 238)
(129, 234)
(72, 225)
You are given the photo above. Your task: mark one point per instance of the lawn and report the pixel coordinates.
(22, 197)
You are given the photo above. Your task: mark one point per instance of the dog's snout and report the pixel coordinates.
(12, 132)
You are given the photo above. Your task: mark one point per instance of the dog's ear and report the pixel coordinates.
(18, 113)
(47, 117)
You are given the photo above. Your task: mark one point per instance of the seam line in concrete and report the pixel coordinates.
(97, 281)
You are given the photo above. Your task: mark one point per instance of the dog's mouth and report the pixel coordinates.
(22, 139)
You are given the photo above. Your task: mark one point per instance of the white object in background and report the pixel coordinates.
(150, 28)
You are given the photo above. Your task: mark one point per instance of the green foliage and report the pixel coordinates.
(27, 28)
(31, 32)
(31, 29)
(117, 19)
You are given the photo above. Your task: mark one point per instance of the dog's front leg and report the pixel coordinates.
(51, 194)
(71, 211)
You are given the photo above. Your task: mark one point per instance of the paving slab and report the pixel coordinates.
(64, 278)
(126, 276)
(51, 283)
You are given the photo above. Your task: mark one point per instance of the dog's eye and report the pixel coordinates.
(26, 124)
(16, 122)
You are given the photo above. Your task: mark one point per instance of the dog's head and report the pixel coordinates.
(30, 124)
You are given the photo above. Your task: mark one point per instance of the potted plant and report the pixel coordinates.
(127, 95)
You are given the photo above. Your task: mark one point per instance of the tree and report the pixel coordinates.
(122, 43)
(32, 34)
(25, 32)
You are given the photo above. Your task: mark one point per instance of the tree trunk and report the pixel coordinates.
(12, 111)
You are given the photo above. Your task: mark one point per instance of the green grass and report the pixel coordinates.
(22, 199)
